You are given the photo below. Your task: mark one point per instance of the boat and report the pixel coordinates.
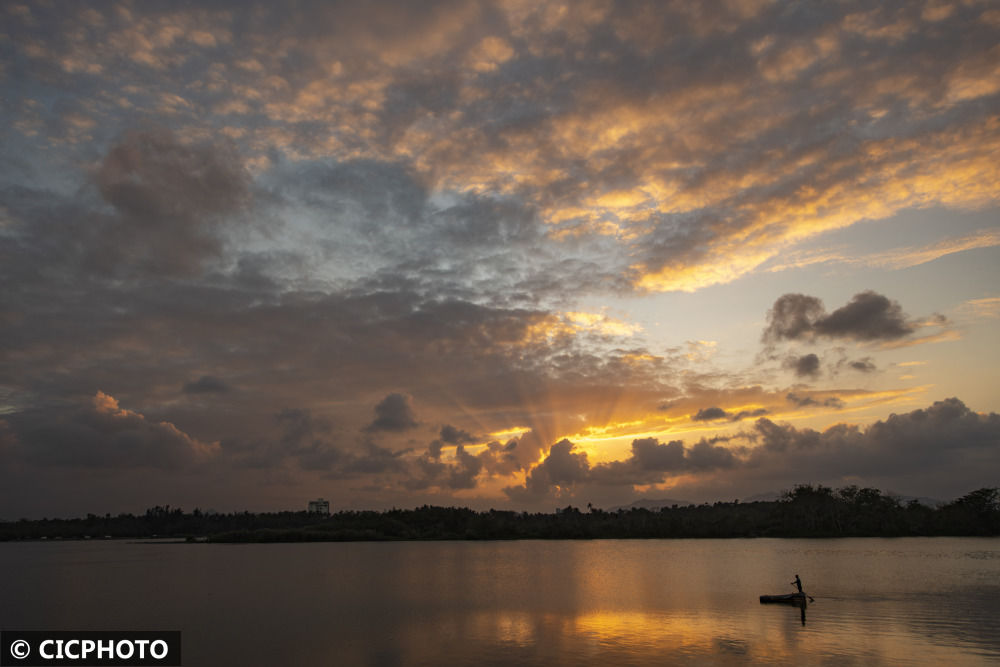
(790, 598)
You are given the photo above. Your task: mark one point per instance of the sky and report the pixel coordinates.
(516, 254)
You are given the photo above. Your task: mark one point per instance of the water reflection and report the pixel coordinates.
(919, 602)
(608, 637)
(787, 601)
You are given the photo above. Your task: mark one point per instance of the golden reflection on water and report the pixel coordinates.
(649, 638)
(678, 602)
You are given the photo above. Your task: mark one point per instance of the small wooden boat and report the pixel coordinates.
(790, 598)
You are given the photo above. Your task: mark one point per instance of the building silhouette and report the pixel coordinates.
(319, 506)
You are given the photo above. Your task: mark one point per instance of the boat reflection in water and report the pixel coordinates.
(795, 599)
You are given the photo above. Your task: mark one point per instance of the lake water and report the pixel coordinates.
(919, 601)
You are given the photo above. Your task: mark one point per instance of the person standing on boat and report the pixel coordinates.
(798, 583)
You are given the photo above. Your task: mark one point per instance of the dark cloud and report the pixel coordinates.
(314, 443)
(307, 438)
(705, 455)
(946, 440)
(372, 459)
(808, 401)
(778, 438)
(793, 316)
(449, 435)
(463, 474)
(868, 316)
(715, 413)
(651, 460)
(103, 435)
(649, 463)
(425, 473)
(292, 434)
(746, 414)
(500, 459)
(170, 200)
(465, 470)
(434, 449)
(455, 436)
(206, 384)
(394, 413)
(865, 365)
(805, 366)
(649, 454)
(710, 414)
(562, 467)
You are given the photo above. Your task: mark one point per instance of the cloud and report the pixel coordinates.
(805, 366)
(291, 434)
(946, 440)
(314, 443)
(745, 414)
(104, 435)
(393, 413)
(650, 462)
(715, 413)
(898, 258)
(650, 454)
(869, 316)
(450, 435)
(465, 470)
(561, 467)
(309, 439)
(987, 308)
(455, 436)
(371, 460)
(942, 337)
(640, 137)
(792, 317)
(463, 475)
(710, 414)
(206, 384)
(171, 200)
(808, 401)
(434, 450)
(865, 365)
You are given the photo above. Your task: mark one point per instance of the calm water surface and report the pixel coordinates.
(920, 601)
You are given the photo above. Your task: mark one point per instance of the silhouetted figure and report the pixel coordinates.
(798, 583)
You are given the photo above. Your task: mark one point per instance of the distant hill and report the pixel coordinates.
(652, 504)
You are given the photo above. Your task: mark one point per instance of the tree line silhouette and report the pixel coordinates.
(805, 511)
